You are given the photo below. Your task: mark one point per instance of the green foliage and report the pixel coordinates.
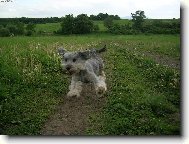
(122, 29)
(102, 16)
(148, 27)
(83, 24)
(138, 18)
(4, 32)
(12, 29)
(30, 27)
(29, 32)
(31, 83)
(20, 28)
(108, 22)
(67, 25)
(78, 25)
(162, 27)
(96, 28)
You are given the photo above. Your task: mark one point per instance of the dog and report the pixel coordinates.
(84, 67)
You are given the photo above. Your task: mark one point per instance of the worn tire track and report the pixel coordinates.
(71, 115)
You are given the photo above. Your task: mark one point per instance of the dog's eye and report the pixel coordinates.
(66, 60)
(74, 60)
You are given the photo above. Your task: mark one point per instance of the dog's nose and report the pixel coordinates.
(68, 68)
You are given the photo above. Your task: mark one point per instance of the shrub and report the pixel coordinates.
(20, 28)
(4, 32)
(108, 22)
(29, 33)
(12, 28)
(83, 24)
(96, 28)
(31, 27)
(67, 25)
(78, 25)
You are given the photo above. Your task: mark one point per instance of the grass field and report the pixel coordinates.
(48, 28)
(51, 27)
(143, 95)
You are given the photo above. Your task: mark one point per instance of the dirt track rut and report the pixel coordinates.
(71, 115)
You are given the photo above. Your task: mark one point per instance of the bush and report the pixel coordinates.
(67, 25)
(78, 25)
(20, 28)
(29, 33)
(122, 29)
(83, 24)
(161, 27)
(12, 28)
(4, 32)
(96, 28)
(31, 27)
(108, 22)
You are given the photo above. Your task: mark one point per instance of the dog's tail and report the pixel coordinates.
(101, 50)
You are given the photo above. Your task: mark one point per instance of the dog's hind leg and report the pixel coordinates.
(102, 88)
(99, 82)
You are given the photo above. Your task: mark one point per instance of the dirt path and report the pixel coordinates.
(164, 60)
(71, 116)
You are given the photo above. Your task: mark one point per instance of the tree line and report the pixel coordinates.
(139, 24)
(83, 24)
(25, 20)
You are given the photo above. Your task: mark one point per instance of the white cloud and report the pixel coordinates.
(48, 8)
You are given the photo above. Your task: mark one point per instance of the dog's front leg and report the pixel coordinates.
(99, 83)
(75, 88)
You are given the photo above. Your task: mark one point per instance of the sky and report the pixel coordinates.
(157, 9)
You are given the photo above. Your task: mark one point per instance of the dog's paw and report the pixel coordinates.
(73, 94)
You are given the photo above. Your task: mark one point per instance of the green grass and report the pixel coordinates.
(48, 28)
(101, 26)
(51, 27)
(143, 97)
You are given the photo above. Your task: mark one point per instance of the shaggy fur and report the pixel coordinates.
(84, 67)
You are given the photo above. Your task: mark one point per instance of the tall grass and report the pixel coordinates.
(31, 85)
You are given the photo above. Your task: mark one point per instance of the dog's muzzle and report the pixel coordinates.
(70, 69)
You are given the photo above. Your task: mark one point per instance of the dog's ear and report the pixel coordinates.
(84, 55)
(61, 51)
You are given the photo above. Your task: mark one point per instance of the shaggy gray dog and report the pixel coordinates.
(84, 67)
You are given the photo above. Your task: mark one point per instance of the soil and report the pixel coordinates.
(72, 114)
(164, 60)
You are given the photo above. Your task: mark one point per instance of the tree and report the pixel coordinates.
(138, 19)
(20, 28)
(76, 25)
(68, 24)
(108, 22)
(4, 32)
(83, 24)
(30, 27)
(12, 28)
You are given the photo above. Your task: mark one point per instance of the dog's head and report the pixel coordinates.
(74, 62)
